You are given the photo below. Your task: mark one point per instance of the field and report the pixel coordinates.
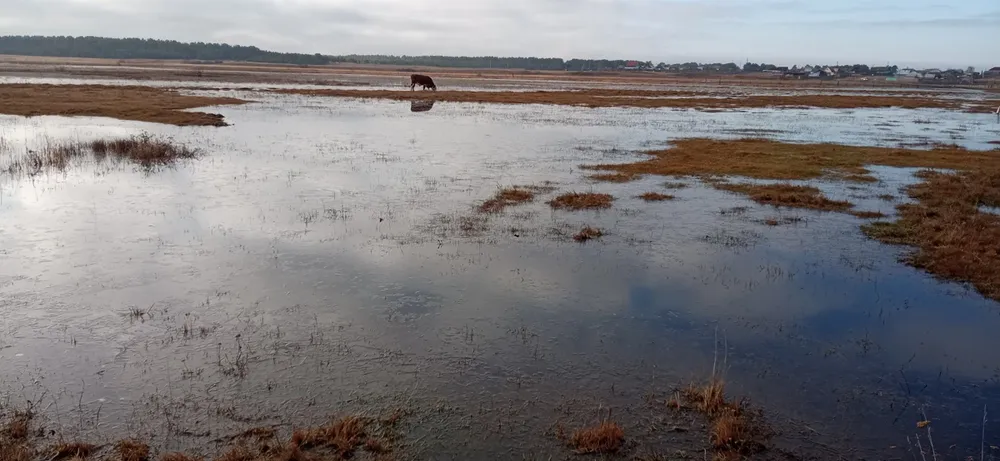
(248, 262)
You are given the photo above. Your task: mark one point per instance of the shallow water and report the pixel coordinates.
(323, 257)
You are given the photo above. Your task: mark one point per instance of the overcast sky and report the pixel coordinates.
(905, 32)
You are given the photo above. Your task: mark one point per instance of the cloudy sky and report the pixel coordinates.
(906, 32)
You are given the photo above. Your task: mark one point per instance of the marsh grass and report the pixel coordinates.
(618, 177)
(144, 150)
(73, 450)
(506, 197)
(787, 195)
(735, 430)
(607, 437)
(868, 214)
(767, 159)
(132, 450)
(581, 201)
(953, 239)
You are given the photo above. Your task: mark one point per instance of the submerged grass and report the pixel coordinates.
(655, 197)
(588, 233)
(766, 159)
(141, 103)
(144, 150)
(735, 430)
(581, 201)
(954, 239)
(787, 195)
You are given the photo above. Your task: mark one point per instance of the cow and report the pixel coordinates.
(422, 80)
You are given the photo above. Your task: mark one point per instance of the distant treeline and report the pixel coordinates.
(138, 48)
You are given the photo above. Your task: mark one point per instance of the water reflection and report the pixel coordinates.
(421, 106)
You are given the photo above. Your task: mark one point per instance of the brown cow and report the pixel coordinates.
(422, 80)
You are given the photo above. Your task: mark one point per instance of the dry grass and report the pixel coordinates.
(343, 435)
(147, 104)
(72, 450)
(954, 240)
(734, 430)
(143, 150)
(581, 201)
(18, 426)
(655, 197)
(14, 444)
(648, 98)
(506, 197)
(588, 233)
(674, 185)
(787, 195)
(607, 437)
(782, 220)
(133, 450)
(766, 159)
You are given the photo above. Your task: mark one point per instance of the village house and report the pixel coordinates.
(992, 73)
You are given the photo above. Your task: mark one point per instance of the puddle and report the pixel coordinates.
(315, 260)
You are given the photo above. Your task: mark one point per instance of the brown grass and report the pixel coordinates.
(581, 201)
(506, 197)
(146, 104)
(73, 450)
(953, 239)
(655, 197)
(787, 195)
(17, 427)
(344, 435)
(766, 159)
(618, 177)
(144, 150)
(133, 450)
(647, 98)
(782, 220)
(588, 233)
(607, 437)
(734, 430)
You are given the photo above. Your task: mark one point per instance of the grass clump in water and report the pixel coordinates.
(133, 450)
(615, 177)
(144, 150)
(734, 430)
(655, 197)
(506, 197)
(787, 195)
(581, 201)
(607, 437)
(588, 233)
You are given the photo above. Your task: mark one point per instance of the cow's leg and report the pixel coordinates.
(412, 85)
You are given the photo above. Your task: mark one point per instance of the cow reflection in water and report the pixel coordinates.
(421, 106)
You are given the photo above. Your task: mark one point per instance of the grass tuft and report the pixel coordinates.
(607, 437)
(506, 197)
(144, 150)
(133, 450)
(615, 177)
(73, 450)
(581, 201)
(655, 197)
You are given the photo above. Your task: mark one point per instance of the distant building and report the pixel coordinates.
(992, 73)
(631, 65)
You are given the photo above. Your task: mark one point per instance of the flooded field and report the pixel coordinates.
(327, 256)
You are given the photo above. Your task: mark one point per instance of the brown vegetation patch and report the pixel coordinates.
(674, 185)
(344, 435)
(781, 220)
(787, 195)
(765, 159)
(581, 201)
(868, 214)
(141, 103)
(73, 450)
(615, 177)
(133, 450)
(179, 457)
(607, 437)
(643, 98)
(146, 151)
(507, 197)
(588, 233)
(954, 240)
(655, 197)
(734, 430)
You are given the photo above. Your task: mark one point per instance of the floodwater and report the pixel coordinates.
(324, 257)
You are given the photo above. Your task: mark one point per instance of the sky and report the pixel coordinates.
(920, 33)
